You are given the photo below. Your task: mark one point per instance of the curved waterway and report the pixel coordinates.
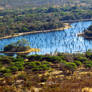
(59, 41)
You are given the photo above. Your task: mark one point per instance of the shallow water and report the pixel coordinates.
(59, 41)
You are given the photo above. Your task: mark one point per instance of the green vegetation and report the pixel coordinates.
(43, 62)
(21, 45)
(31, 71)
(29, 20)
(88, 33)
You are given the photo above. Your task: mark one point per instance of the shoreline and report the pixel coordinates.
(72, 21)
(22, 52)
(67, 26)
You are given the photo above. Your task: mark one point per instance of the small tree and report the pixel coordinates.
(21, 45)
(68, 67)
(89, 54)
(88, 64)
(78, 63)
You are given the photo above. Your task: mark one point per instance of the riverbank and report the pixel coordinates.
(67, 26)
(22, 52)
(72, 21)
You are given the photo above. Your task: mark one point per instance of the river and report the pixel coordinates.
(65, 41)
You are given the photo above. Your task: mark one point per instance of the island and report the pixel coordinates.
(21, 47)
(87, 34)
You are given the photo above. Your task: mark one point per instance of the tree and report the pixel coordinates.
(88, 64)
(20, 45)
(68, 67)
(78, 63)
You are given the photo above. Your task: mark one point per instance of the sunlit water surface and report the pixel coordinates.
(58, 41)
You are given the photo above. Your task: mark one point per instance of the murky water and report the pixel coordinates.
(59, 41)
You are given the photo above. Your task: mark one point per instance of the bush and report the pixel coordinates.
(53, 59)
(88, 64)
(70, 66)
(78, 63)
(89, 54)
(19, 65)
(37, 65)
(22, 76)
(13, 68)
(5, 60)
(6, 70)
(7, 74)
(20, 45)
(10, 47)
(81, 58)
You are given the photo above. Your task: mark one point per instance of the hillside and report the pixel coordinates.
(47, 3)
(46, 73)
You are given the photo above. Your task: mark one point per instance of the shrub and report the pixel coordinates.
(6, 70)
(5, 60)
(53, 59)
(19, 59)
(88, 64)
(19, 65)
(70, 66)
(81, 58)
(13, 68)
(1, 65)
(78, 63)
(89, 54)
(44, 67)
(37, 65)
(35, 57)
(22, 76)
(7, 74)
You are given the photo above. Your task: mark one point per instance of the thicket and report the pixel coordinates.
(28, 71)
(17, 21)
(11, 65)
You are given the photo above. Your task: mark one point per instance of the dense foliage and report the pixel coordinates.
(44, 62)
(21, 45)
(31, 71)
(27, 20)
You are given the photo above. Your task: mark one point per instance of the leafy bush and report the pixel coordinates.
(7, 74)
(13, 68)
(22, 76)
(20, 45)
(53, 59)
(88, 64)
(19, 65)
(35, 57)
(89, 54)
(81, 58)
(6, 70)
(78, 63)
(5, 60)
(37, 65)
(70, 66)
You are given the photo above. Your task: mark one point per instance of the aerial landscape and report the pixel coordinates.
(45, 45)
